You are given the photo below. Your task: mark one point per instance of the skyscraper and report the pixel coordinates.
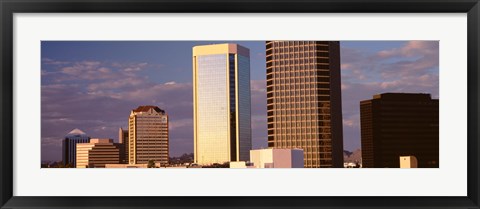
(148, 135)
(399, 124)
(69, 149)
(123, 145)
(304, 107)
(221, 101)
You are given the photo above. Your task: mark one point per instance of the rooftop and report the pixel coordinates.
(76, 132)
(147, 108)
(403, 96)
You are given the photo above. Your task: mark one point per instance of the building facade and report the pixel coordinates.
(221, 100)
(97, 153)
(277, 158)
(148, 135)
(408, 162)
(399, 124)
(304, 108)
(123, 145)
(69, 146)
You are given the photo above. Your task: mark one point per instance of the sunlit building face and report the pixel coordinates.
(148, 136)
(221, 86)
(304, 108)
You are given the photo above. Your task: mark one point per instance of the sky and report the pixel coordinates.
(93, 85)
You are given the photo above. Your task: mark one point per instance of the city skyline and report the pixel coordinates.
(72, 77)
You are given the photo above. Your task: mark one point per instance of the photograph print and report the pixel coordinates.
(240, 104)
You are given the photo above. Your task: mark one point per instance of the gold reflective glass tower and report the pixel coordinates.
(221, 103)
(304, 107)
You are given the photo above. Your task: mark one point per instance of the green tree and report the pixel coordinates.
(151, 164)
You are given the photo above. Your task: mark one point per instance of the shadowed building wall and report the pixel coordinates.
(221, 102)
(123, 145)
(399, 124)
(304, 108)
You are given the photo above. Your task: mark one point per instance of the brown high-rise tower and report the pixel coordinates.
(304, 104)
(399, 124)
(148, 136)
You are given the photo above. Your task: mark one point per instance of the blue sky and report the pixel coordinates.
(93, 85)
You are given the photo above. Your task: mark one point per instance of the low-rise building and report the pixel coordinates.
(277, 158)
(97, 153)
(145, 165)
(408, 162)
(241, 164)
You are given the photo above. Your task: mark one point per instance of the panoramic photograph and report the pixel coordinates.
(240, 104)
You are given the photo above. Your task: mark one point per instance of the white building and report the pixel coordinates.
(277, 158)
(408, 162)
(241, 164)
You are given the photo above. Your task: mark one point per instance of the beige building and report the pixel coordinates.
(97, 153)
(241, 164)
(148, 135)
(408, 162)
(221, 101)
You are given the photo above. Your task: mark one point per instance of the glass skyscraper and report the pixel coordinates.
(221, 103)
(304, 107)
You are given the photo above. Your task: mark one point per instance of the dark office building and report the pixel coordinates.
(304, 104)
(69, 146)
(123, 145)
(399, 124)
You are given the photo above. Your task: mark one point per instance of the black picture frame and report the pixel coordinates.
(10, 7)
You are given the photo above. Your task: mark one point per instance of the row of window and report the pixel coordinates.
(305, 62)
(297, 54)
(297, 73)
(295, 102)
(301, 91)
(297, 48)
(301, 83)
(296, 42)
(311, 136)
(285, 128)
(300, 120)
